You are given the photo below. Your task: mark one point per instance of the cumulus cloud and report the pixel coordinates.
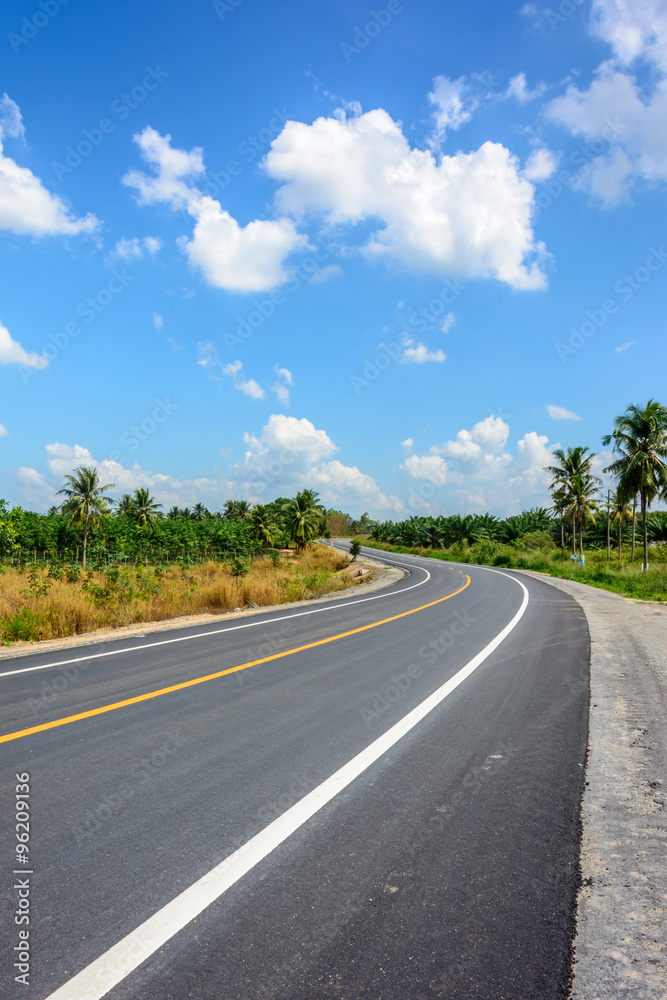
(479, 472)
(39, 490)
(469, 214)
(560, 413)
(291, 453)
(540, 165)
(628, 117)
(26, 207)
(230, 256)
(454, 101)
(419, 354)
(3, 431)
(158, 321)
(248, 386)
(11, 352)
(521, 92)
(136, 248)
(448, 322)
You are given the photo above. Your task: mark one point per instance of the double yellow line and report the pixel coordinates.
(221, 673)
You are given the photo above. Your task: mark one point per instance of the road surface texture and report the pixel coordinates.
(621, 945)
(372, 798)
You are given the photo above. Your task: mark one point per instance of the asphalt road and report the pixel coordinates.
(441, 863)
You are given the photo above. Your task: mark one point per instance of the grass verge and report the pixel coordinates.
(622, 578)
(41, 603)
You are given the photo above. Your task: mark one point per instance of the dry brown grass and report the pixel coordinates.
(149, 595)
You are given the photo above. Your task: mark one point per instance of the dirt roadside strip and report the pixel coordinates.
(621, 944)
(383, 576)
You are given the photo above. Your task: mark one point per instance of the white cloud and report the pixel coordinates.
(291, 453)
(624, 347)
(136, 248)
(325, 274)
(11, 123)
(633, 28)
(560, 413)
(521, 92)
(26, 207)
(158, 321)
(540, 165)
(241, 259)
(627, 117)
(469, 214)
(478, 471)
(11, 352)
(455, 103)
(448, 322)
(420, 354)
(3, 431)
(248, 386)
(281, 387)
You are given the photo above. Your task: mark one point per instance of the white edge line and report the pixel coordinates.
(217, 631)
(95, 981)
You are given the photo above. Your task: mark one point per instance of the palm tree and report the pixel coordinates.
(125, 506)
(200, 513)
(236, 510)
(302, 520)
(582, 503)
(85, 502)
(621, 511)
(560, 506)
(146, 510)
(173, 513)
(262, 525)
(640, 440)
(571, 463)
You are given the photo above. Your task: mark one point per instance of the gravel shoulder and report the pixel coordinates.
(621, 944)
(382, 576)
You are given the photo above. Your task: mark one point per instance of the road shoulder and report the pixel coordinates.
(621, 945)
(383, 576)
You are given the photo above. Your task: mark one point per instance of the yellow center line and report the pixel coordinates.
(221, 673)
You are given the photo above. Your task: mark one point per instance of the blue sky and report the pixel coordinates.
(396, 253)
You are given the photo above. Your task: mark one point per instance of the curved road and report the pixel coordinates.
(385, 806)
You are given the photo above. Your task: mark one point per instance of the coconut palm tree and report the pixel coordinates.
(262, 525)
(85, 502)
(200, 513)
(571, 463)
(560, 506)
(236, 510)
(125, 506)
(146, 510)
(582, 502)
(639, 438)
(302, 520)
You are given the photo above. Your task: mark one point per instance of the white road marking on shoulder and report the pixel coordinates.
(95, 981)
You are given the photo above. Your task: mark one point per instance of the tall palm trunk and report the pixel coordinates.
(645, 520)
(620, 538)
(562, 536)
(634, 527)
(608, 526)
(85, 540)
(581, 537)
(574, 534)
